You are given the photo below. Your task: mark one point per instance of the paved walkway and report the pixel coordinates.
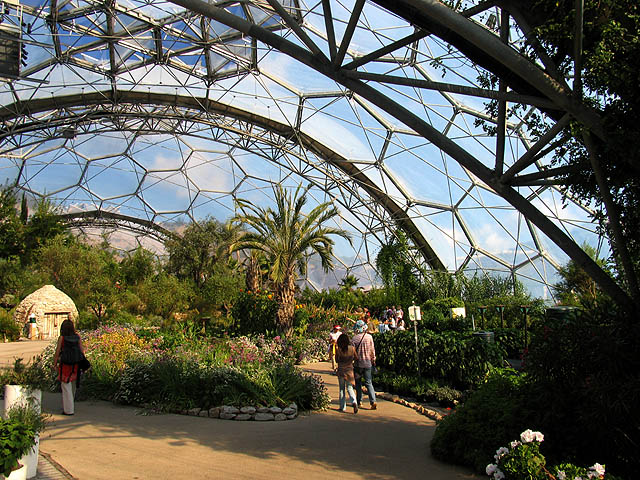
(105, 441)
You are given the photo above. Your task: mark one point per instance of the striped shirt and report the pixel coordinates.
(366, 350)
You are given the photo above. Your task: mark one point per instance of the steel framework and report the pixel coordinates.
(166, 111)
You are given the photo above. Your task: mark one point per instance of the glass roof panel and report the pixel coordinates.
(193, 112)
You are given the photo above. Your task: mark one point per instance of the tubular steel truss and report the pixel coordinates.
(166, 111)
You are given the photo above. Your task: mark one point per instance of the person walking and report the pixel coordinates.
(345, 356)
(365, 349)
(333, 339)
(66, 359)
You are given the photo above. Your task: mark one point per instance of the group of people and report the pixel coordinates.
(392, 319)
(353, 360)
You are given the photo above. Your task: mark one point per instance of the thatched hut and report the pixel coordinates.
(50, 307)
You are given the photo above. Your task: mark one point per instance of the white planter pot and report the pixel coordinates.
(19, 474)
(19, 395)
(30, 460)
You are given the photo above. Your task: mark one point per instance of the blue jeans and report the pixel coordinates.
(345, 386)
(366, 374)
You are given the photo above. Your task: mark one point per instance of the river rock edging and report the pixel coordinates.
(246, 413)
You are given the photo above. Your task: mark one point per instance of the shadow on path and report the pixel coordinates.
(106, 441)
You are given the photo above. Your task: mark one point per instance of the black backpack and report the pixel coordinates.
(71, 353)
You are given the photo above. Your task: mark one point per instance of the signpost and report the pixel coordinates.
(415, 316)
(482, 310)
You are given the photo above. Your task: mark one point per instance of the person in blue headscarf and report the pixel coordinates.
(365, 349)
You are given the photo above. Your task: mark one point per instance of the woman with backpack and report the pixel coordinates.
(345, 356)
(69, 354)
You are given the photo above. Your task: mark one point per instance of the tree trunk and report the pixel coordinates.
(252, 275)
(285, 296)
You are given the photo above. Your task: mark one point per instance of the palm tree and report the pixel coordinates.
(286, 236)
(349, 282)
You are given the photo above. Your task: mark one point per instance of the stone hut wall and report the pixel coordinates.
(50, 307)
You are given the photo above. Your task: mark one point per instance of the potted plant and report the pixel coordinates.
(23, 385)
(15, 441)
(29, 415)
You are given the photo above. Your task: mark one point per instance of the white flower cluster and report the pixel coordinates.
(595, 471)
(529, 436)
(493, 470)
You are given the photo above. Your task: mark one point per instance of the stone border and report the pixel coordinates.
(259, 414)
(421, 409)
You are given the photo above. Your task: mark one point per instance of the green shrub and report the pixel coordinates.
(8, 328)
(459, 359)
(15, 440)
(36, 375)
(254, 313)
(511, 340)
(419, 388)
(87, 321)
(172, 384)
(494, 414)
(586, 371)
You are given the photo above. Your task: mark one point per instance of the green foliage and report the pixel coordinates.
(175, 384)
(441, 285)
(495, 413)
(342, 299)
(219, 291)
(43, 225)
(12, 231)
(17, 280)
(287, 237)
(480, 288)
(459, 359)
(585, 370)
(513, 316)
(9, 329)
(421, 389)
(15, 441)
(398, 271)
(197, 251)
(253, 313)
(164, 294)
(28, 415)
(523, 460)
(36, 375)
(137, 266)
(575, 286)
(79, 270)
(86, 321)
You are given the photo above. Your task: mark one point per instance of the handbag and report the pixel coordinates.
(84, 364)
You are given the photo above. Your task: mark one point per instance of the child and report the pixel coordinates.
(333, 338)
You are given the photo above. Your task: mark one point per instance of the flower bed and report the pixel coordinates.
(148, 371)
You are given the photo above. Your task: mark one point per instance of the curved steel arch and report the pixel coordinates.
(103, 218)
(104, 99)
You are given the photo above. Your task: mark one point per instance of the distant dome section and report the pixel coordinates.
(49, 307)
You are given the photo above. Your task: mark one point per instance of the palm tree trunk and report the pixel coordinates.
(252, 276)
(285, 296)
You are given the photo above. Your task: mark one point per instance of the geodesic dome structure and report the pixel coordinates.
(145, 115)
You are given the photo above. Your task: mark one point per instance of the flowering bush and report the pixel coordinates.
(115, 344)
(522, 460)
